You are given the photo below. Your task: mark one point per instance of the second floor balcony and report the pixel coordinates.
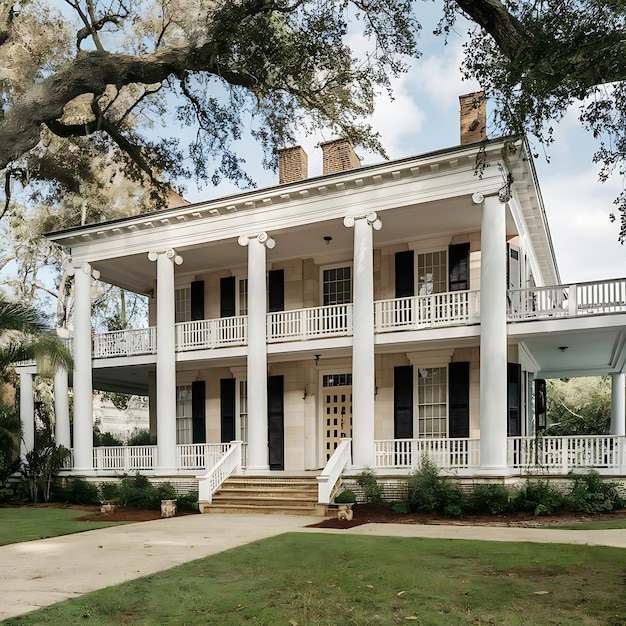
(437, 310)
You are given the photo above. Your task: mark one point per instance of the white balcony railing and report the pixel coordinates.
(125, 458)
(446, 454)
(560, 455)
(438, 309)
(593, 298)
(199, 456)
(124, 343)
(398, 314)
(303, 324)
(215, 333)
(229, 463)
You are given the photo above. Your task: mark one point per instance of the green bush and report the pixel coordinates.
(491, 499)
(428, 492)
(345, 497)
(76, 491)
(539, 497)
(590, 494)
(138, 492)
(110, 492)
(187, 502)
(371, 489)
(141, 437)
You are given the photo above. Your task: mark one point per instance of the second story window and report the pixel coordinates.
(432, 273)
(337, 285)
(182, 304)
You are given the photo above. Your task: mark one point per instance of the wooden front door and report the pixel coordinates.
(337, 419)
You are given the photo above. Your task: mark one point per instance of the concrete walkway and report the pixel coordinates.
(39, 573)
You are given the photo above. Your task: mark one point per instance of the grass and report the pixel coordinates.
(27, 524)
(615, 524)
(317, 579)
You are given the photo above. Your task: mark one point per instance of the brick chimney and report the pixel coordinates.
(473, 117)
(293, 164)
(337, 156)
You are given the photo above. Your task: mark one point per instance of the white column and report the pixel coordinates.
(61, 409)
(27, 414)
(493, 338)
(166, 360)
(258, 452)
(82, 376)
(363, 369)
(618, 404)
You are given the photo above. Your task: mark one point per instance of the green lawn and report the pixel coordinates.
(333, 579)
(615, 524)
(26, 524)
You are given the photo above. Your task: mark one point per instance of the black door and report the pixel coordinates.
(197, 300)
(227, 409)
(276, 287)
(227, 296)
(276, 422)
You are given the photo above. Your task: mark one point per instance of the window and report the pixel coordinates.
(242, 296)
(184, 421)
(432, 394)
(182, 304)
(432, 273)
(337, 285)
(243, 410)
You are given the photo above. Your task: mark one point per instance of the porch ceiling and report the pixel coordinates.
(418, 221)
(572, 347)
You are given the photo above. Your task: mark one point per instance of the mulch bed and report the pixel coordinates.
(371, 514)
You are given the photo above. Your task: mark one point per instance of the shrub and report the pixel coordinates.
(539, 497)
(187, 501)
(76, 491)
(345, 497)
(141, 437)
(371, 489)
(110, 492)
(590, 494)
(428, 492)
(491, 499)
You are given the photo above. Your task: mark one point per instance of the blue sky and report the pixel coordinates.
(424, 117)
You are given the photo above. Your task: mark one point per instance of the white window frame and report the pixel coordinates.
(182, 303)
(428, 405)
(333, 266)
(184, 414)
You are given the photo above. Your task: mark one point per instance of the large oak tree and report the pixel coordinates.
(83, 81)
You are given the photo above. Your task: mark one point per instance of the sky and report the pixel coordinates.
(423, 116)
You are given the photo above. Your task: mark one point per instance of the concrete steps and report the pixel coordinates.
(249, 494)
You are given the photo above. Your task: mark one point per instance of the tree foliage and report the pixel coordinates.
(579, 406)
(88, 88)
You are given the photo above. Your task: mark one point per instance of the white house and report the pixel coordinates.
(362, 318)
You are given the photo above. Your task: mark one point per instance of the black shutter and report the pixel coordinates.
(275, 422)
(198, 411)
(227, 409)
(458, 399)
(197, 300)
(405, 279)
(403, 402)
(458, 267)
(514, 399)
(541, 404)
(276, 281)
(227, 296)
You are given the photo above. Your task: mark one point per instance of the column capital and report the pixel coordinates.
(371, 218)
(262, 237)
(170, 253)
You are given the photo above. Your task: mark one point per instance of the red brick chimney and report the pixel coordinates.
(473, 117)
(337, 156)
(293, 165)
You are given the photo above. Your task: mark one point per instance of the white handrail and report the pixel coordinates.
(327, 480)
(229, 464)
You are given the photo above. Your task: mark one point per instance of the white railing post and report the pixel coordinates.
(327, 480)
(572, 300)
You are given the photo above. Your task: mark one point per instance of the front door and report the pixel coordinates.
(337, 419)
(276, 422)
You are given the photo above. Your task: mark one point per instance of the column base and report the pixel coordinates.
(494, 470)
(250, 469)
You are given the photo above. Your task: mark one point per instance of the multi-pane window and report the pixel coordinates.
(432, 394)
(184, 416)
(182, 299)
(432, 273)
(337, 285)
(243, 410)
(242, 296)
